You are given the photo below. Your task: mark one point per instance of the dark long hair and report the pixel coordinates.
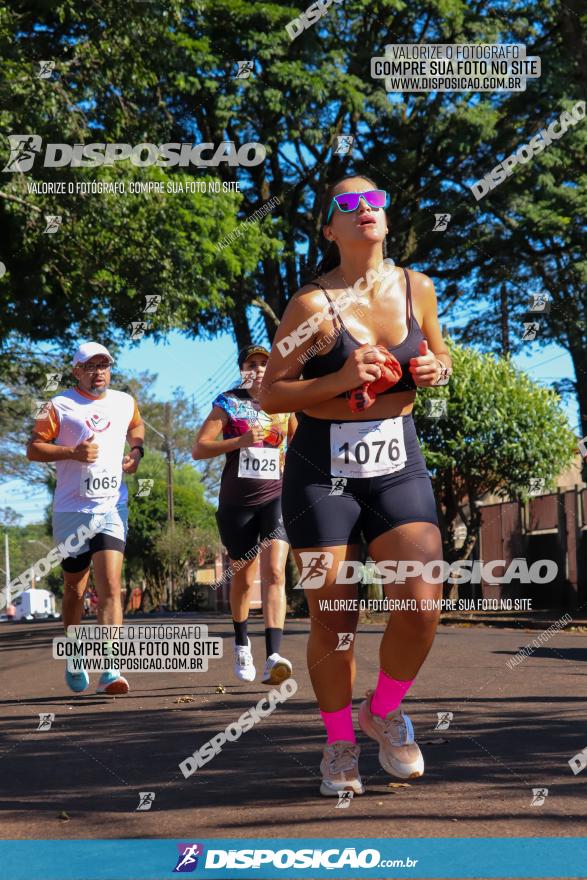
(330, 257)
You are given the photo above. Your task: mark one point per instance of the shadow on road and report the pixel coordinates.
(88, 755)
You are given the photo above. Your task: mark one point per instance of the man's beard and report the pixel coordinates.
(98, 389)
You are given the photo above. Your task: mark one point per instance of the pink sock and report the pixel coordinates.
(388, 694)
(339, 724)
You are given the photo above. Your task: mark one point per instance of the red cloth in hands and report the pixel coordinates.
(391, 372)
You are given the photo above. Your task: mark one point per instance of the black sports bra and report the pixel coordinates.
(345, 344)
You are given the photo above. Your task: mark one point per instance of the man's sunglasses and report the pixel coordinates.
(96, 368)
(375, 198)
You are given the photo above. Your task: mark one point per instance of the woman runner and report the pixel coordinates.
(364, 445)
(249, 508)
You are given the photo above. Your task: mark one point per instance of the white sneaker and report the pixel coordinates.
(399, 753)
(244, 668)
(340, 769)
(277, 669)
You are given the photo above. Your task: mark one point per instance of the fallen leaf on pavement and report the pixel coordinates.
(64, 815)
(398, 785)
(220, 689)
(185, 700)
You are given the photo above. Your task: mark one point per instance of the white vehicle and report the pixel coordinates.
(33, 604)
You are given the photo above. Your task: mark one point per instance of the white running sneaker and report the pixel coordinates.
(340, 769)
(399, 753)
(244, 668)
(277, 669)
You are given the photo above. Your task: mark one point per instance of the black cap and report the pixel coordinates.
(248, 351)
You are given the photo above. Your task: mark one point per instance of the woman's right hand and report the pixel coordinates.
(253, 435)
(361, 366)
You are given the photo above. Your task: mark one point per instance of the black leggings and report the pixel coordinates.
(315, 517)
(243, 528)
(101, 541)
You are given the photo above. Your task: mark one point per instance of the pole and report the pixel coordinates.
(7, 567)
(47, 547)
(170, 509)
(166, 437)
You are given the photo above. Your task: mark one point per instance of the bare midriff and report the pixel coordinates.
(386, 406)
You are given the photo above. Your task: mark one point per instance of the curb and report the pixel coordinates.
(504, 621)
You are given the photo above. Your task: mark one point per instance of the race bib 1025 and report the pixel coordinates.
(259, 462)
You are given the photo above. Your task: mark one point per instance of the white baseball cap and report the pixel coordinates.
(89, 350)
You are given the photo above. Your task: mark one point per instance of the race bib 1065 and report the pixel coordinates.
(98, 482)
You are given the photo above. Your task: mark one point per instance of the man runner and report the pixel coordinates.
(83, 430)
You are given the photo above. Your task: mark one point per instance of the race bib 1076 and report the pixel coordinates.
(367, 449)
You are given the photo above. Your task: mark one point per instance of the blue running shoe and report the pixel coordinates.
(77, 681)
(76, 676)
(112, 683)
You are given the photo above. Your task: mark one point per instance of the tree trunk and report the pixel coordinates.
(272, 293)
(505, 320)
(579, 357)
(570, 17)
(240, 325)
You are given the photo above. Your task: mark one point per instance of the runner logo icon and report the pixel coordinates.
(344, 144)
(338, 484)
(444, 719)
(187, 861)
(146, 799)
(46, 719)
(53, 222)
(52, 381)
(441, 222)
(152, 303)
(539, 795)
(345, 641)
(245, 68)
(344, 799)
(145, 487)
(23, 149)
(314, 568)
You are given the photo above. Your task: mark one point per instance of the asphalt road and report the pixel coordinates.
(512, 730)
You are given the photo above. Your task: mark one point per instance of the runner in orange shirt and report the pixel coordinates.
(84, 430)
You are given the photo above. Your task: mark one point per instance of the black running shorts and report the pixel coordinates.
(321, 510)
(242, 529)
(101, 541)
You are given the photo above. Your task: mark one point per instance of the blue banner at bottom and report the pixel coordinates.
(271, 858)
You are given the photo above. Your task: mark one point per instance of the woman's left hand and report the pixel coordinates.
(424, 369)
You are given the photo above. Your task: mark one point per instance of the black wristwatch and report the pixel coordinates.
(140, 448)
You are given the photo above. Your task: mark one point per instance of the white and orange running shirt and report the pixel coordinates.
(69, 419)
